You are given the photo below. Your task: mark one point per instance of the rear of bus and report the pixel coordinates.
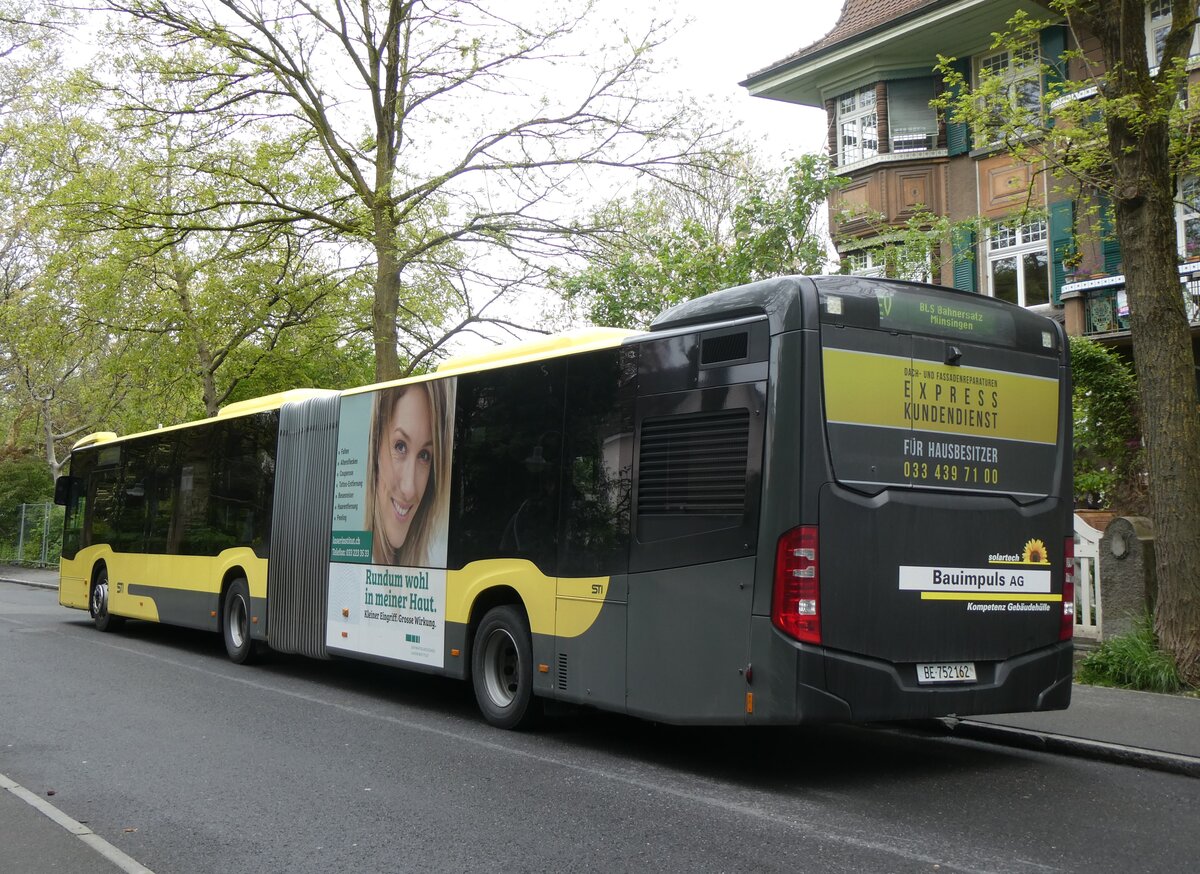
(930, 572)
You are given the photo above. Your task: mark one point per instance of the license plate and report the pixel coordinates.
(946, 672)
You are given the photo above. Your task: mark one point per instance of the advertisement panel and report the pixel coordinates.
(899, 420)
(387, 562)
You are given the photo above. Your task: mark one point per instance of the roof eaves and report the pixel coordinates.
(821, 47)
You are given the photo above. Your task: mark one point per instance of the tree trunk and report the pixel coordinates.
(386, 304)
(48, 436)
(1162, 349)
(205, 363)
(1162, 343)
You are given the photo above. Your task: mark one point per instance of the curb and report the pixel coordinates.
(34, 583)
(1174, 763)
(117, 857)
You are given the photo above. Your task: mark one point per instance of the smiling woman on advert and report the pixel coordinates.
(407, 490)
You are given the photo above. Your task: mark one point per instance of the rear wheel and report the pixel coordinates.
(98, 604)
(235, 622)
(502, 669)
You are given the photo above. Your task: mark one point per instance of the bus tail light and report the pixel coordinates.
(1066, 628)
(796, 600)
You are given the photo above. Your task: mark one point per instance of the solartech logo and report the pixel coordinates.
(1034, 552)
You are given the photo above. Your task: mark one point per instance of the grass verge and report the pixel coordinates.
(1132, 661)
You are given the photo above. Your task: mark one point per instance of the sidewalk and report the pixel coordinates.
(1119, 725)
(1115, 725)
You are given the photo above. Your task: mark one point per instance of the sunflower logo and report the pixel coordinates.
(1035, 552)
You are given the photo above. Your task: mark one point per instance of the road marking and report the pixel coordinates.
(78, 829)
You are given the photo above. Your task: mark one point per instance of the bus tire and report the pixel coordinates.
(98, 604)
(235, 623)
(502, 669)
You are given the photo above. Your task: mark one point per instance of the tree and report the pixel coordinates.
(700, 231)
(1140, 140)
(50, 367)
(211, 300)
(431, 116)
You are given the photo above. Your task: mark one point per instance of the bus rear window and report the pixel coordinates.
(946, 313)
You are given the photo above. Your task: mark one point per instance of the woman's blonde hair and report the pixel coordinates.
(428, 524)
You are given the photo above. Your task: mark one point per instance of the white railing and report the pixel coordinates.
(1088, 613)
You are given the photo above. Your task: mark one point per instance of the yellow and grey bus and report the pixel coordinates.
(806, 499)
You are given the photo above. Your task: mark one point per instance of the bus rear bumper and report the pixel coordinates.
(836, 686)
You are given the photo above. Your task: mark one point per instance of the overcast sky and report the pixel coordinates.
(726, 41)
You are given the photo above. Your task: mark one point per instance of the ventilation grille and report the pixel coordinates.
(694, 464)
(562, 670)
(729, 347)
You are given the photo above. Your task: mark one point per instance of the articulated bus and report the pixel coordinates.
(807, 499)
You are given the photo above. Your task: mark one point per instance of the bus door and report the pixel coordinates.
(942, 531)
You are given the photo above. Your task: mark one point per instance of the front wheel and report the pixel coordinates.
(98, 604)
(502, 669)
(235, 622)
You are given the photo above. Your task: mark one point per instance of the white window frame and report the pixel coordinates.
(858, 112)
(921, 138)
(1158, 22)
(875, 262)
(867, 262)
(916, 270)
(1015, 241)
(1187, 209)
(1015, 69)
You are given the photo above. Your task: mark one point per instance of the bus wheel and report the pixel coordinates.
(502, 669)
(98, 604)
(235, 621)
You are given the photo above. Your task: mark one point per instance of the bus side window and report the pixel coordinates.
(507, 465)
(597, 480)
(161, 492)
(195, 534)
(77, 503)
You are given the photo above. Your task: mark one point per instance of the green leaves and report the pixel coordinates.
(1107, 432)
(726, 225)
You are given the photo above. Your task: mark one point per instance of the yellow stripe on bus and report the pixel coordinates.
(892, 391)
(985, 596)
(561, 606)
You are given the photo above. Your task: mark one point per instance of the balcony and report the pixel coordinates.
(887, 190)
(1105, 308)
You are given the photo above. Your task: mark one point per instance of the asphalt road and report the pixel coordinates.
(188, 763)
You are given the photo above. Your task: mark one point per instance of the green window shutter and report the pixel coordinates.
(958, 134)
(1062, 244)
(962, 242)
(1110, 246)
(1053, 44)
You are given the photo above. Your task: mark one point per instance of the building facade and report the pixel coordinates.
(1020, 232)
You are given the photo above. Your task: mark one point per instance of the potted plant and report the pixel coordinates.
(1071, 271)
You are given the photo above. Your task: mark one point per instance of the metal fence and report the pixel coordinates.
(34, 537)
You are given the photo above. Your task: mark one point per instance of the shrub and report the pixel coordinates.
(1132, 661)
(1107, 432)
(24, 480)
